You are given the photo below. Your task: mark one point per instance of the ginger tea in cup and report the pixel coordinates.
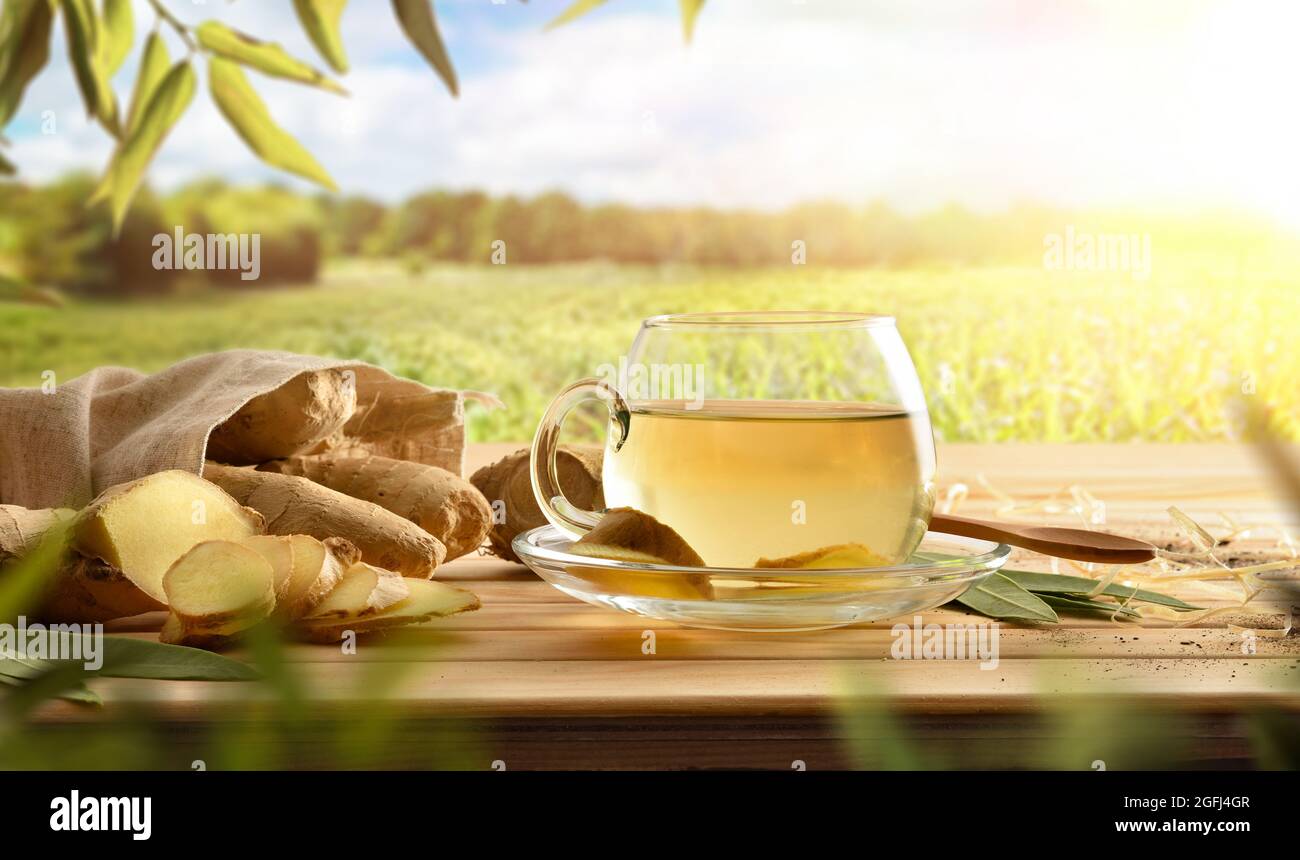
(763, 439)
(749, 479)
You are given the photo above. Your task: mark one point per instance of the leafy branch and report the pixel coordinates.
(100, 34)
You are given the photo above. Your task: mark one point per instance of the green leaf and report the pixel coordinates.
(18, 674)
(24, 50)
(999, 597)
(690, 9)
(82, 26)
(132, 157)
(81, 694)
(247, 114)
(421, 29)
(118, 35)
(1066, 603)
(1055, 583)
(124, 657)
(320, 20)
(153, 68)
(577, 10)
(266, 57)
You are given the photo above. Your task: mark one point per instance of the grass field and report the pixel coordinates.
(1006, 354)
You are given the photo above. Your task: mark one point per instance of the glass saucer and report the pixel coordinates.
(765, 599)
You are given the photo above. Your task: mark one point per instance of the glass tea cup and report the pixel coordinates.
(763, 438)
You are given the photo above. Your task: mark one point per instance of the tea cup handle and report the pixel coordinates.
(562, 514)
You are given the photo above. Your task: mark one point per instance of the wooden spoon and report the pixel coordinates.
(1077, 544)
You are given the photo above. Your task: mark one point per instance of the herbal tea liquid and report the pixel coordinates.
(740, 480)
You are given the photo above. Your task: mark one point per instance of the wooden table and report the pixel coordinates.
(543, 680)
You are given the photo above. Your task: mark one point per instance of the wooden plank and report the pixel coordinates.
(662, 687)
(432, 643)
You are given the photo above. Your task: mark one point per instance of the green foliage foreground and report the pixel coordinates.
(1006, 354)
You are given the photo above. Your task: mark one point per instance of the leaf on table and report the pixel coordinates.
(118, 35)
(266, 57)
(999, 597)
(320, 21)
(1056, 583)
(248, 116)
(125, 657)
(1065, 603)
(421, 29)
(24, 51)
(130, 160)
(120, 657)
(24, 674)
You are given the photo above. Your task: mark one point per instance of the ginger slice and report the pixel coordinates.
(278, 552)
(318, 566)
(626, 534)
(842, 555)
(427, 600)
(363, 591)
(142, 527)
(218, 582)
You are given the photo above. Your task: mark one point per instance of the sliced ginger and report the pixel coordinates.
(278, 552)
(318, 566)
(839, 556)
(142, 527)
(426, 600)
(363, 591)
(626, 534)
(220, 582)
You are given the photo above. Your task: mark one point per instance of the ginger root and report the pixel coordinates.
(294, 505)
(443, 504)
(142, 527)
(82, 590)
(22, 530)
(508, 488)
(293, 418)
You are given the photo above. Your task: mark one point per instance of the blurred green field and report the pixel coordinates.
(1006, 354)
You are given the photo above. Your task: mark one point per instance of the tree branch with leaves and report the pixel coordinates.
(101, 33)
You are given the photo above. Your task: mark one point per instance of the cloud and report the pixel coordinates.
(982, 103)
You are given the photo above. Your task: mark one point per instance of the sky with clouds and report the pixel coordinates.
(1170, 103)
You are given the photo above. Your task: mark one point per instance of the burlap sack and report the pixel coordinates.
(62, 445)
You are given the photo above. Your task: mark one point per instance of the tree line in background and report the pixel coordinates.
(49, 237)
